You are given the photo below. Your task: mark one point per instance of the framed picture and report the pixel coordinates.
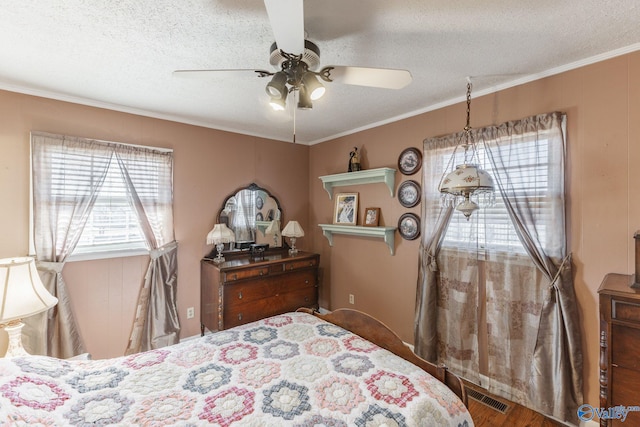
(409, 226)
(410, 161)
(409, 194)
(371, 217)
(346, 209)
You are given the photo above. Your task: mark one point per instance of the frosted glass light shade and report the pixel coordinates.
(22, 293)
(220, 234)
(465, 180)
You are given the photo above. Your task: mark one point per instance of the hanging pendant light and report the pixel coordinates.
(466, 180)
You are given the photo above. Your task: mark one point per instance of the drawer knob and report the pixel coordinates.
(234, 277)
(306, 281)
(240, 316)
(240, 295)
(261, 272)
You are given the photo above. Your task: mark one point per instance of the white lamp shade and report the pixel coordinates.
(466, 179)
(22, 293)
(220, 234)
(273, 228)
(293, 229)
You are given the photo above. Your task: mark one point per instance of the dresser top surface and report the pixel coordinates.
(619, 284)
(247, 260)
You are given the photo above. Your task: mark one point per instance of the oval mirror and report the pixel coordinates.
(250, 212)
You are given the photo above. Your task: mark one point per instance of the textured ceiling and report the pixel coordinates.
(120, 54)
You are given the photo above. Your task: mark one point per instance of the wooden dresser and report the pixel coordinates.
(243, 289)
(619, 346)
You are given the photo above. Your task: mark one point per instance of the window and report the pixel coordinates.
(490, 228)
(79, 181)
(112, 224)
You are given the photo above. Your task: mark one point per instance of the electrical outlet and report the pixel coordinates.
(352, 299)
(191, 312)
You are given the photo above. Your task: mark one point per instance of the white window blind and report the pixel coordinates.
(490, 227)
(112, 226)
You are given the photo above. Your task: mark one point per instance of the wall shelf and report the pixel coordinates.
(369, 176)
(386, 233)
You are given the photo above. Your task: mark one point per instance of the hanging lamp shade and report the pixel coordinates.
(466, 179)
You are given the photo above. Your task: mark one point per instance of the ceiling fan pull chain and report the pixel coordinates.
(294, 117)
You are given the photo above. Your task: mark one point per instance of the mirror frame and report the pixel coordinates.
(259, 228)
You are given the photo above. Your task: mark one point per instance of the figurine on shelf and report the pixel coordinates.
(354, 160)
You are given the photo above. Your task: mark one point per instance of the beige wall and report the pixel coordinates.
(208, 166)
(603, 106)
(602, 102)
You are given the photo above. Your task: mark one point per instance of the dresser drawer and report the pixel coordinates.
(247, 273)
(297, 264)
(250, 291)
(624, 392)
(245, 312)
(624, 347)
(625, 311)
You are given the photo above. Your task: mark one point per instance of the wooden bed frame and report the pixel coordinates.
(378, 333)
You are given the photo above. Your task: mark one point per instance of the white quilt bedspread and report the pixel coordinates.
(292, 369)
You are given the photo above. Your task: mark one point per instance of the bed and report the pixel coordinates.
(299, 369)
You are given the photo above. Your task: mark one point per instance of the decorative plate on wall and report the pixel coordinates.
(409, 194)
(409, 226)
(410, 161)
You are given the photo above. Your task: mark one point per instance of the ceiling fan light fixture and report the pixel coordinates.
(277, 87)
(314, 88)
(278, 104)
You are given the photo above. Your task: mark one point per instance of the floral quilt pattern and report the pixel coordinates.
(293, 369)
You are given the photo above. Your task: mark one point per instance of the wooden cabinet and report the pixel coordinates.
(619, 346)
(243, 289)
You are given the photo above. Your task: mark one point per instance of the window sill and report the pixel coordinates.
(120, 253)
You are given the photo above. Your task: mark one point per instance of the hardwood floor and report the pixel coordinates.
(515, 416)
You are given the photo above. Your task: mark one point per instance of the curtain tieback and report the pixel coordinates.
(559, 272)
(54, 267)
(157, 253)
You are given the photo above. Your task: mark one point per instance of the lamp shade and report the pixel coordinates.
(22, 293)
(273, 228)
(293, 229)
(220, 234)
(466, 179)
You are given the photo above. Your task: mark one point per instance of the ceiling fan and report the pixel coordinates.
(296, 58)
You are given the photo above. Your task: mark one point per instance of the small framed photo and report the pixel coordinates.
(409, 226)
(410, 161)
(346, 209)
(409, 193)
(371, 217)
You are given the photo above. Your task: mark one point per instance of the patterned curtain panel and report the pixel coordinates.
(501, 283)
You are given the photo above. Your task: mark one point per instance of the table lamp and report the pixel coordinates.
(274, 230)
(293, 230)
(220, 235)
(22, 294)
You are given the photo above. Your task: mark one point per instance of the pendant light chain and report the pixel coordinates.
(468, 127)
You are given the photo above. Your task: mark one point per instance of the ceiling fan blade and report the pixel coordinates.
(210, 73)
(287, 22)
(387, 78)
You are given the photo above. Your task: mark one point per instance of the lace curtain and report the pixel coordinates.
(485, 310)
